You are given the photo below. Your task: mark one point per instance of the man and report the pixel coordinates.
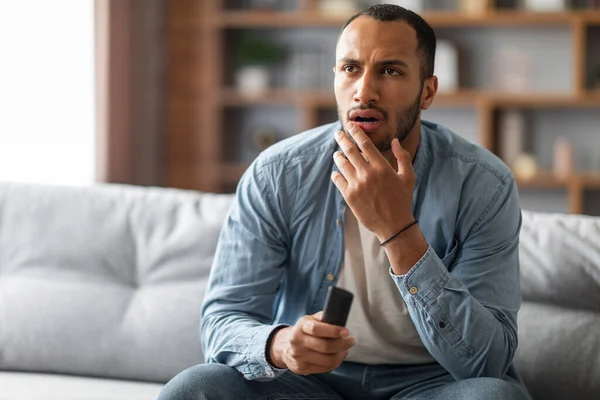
(419, 224)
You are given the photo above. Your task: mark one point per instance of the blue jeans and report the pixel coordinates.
(349, 381)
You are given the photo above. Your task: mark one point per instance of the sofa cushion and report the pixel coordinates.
(560, 260)
(28, 386)
(558, 355)
(104, 281)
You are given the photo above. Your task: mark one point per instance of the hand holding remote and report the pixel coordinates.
(314, 346)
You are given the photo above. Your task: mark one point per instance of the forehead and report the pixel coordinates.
(366, 36)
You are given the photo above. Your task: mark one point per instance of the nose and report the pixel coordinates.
(367, 89)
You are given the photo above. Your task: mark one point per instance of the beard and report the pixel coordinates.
(406, 117)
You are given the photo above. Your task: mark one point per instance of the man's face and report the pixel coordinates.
(377, 79)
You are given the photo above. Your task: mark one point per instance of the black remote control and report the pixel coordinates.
(337, 306)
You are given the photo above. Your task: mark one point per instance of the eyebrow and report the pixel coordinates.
(383, 62)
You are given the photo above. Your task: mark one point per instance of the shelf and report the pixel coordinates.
(325, 98)
(589, 180)
(548, 100)
(592, 17)
(543, 180)
(547, 180)
(266, 19)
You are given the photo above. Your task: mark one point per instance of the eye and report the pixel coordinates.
(391, 71)
(349, 68)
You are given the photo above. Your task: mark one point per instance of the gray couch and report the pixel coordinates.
(101, 288)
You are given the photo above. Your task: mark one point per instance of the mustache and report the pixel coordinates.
(367, 107)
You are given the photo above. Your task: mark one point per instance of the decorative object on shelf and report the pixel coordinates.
(512, 70)
(264, 137)
(254, 58)
(545, 5)
(446, 66)
(474, 7)
(525, 167)
(563, 157)
(252, 79)
(338, 7)
(412, 5)
(511, 131)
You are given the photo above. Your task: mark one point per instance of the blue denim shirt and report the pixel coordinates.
(281, 247)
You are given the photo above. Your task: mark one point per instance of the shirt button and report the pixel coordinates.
(442, 324)
(330, 277)
(268, 373)
(337, 222)
(413, 290)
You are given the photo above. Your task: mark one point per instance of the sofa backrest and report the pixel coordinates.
(108, 281)
(105, 280)
(559, 322)
(560, 260)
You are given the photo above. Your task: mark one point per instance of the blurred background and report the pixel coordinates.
(186, 93)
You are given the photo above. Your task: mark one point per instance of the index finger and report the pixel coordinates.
(314, 327)
(364, 143)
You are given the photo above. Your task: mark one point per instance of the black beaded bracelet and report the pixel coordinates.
(401, 230)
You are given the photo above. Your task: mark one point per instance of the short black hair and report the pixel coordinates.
(426, 39)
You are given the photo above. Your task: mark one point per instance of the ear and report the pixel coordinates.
(333, 69)
(430, 87)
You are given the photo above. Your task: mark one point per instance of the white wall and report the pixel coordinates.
(47, 91)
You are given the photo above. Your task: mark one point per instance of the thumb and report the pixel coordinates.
(402, 156)
(318, 316)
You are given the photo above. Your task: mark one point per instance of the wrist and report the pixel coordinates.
(276, 348)
(406, 250)
(393, 229)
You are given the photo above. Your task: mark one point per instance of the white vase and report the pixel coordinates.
(338, 7)
(252, 79)
(545, 5)
(446, 66)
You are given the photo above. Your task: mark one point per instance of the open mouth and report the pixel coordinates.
(368, 120)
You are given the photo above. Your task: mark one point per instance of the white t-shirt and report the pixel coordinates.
(378, 320)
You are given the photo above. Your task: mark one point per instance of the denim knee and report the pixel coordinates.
(202, 382)
(483, 388)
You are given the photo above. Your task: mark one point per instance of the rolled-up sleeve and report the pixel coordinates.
(466, 312)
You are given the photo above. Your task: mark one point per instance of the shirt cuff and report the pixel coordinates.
(425, 280)
(256, 354)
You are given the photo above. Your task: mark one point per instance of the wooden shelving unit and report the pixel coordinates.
(547, 180)
(199, 96)
(324, 98)
(542, 180)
